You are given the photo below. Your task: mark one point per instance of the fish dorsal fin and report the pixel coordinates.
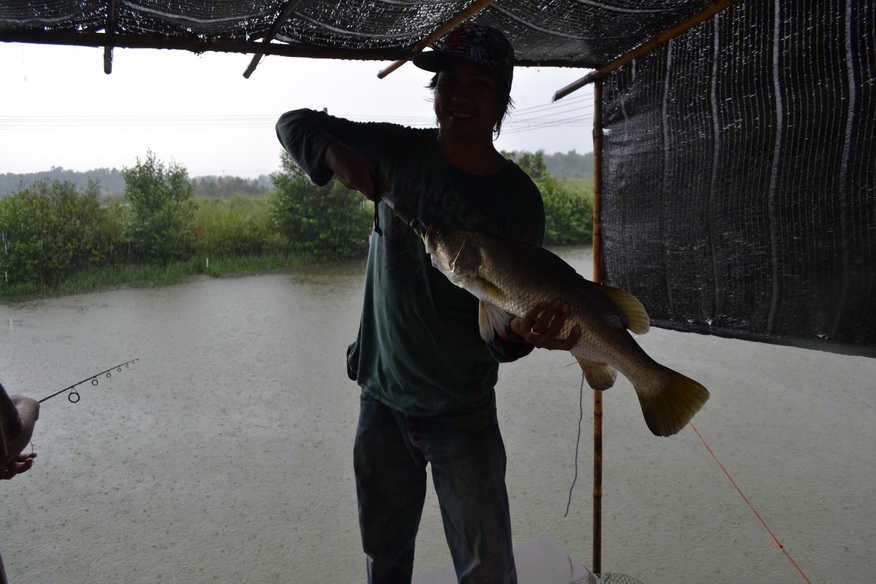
(635, 315)
(491, 318)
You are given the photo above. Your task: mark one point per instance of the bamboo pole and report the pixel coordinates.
(597, 182)
(597, 277)
(647, 47)
(471, 10)
(596, 567)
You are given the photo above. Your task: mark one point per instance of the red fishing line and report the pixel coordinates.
(775, 540)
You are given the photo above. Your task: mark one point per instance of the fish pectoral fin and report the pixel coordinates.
(634, 313)
(491, 318)
(463, 280)
(598, 375)
(670, 406)
(488, 289)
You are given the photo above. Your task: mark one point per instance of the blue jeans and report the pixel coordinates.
(467, 455)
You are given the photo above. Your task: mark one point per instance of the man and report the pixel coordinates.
(426, 375)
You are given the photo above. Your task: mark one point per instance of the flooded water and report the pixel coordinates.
(224, 453)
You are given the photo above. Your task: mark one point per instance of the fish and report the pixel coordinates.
(510, 277)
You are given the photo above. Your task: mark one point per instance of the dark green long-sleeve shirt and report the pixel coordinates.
(419, 349)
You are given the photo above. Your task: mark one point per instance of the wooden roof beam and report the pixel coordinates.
(112, 20)
(469, 11)
(197, 45)
(290, 7)
(647, 47)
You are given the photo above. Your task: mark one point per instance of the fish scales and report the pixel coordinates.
(540, 275)
(515, 276)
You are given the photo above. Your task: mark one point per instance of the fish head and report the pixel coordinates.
(454, 252)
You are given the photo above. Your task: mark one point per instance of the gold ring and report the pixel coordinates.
(532, 331)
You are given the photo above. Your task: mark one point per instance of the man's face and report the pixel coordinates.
(467, 100)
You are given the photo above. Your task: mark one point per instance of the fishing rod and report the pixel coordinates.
(74, 396)
(402, 211)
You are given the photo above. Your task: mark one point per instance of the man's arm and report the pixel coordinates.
(305, 136)
(325, 146)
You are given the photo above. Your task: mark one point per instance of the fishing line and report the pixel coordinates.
(74, 396)
(775, 540)
(577, 443)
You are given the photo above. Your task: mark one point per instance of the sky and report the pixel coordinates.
(58, 107)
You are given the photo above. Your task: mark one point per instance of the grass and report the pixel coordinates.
(156, 275)
(236, 226)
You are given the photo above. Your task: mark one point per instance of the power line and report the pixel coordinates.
(572, 112)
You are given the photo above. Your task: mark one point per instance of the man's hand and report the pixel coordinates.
(17, 466)
(27, 411)
(541, 325)
(356, 171)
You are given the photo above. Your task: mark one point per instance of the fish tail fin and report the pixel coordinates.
(598, 375)
(669, 407)
(635, 316)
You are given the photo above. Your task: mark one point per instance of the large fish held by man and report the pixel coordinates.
(510, 276)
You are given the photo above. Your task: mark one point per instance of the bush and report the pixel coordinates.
(322, 222)
(50, 231)
(161, 222)
(568, 212)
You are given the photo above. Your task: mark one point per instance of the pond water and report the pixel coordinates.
(224, 453)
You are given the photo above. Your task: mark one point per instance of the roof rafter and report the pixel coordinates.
(287, 11)
(439, 32)
(128, 41)
(646, 47)
(112, 19)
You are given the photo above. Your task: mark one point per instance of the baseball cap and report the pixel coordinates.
(476, 43)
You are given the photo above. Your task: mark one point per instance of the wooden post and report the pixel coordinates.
(597, 277)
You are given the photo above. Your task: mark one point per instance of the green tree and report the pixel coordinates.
(50, 230)
(323, 222)
(162, 210)
(530, 163)
(570, 165)
(568, 205)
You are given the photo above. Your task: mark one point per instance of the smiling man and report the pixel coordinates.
(427, 378)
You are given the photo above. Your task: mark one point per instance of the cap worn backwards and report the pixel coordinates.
(476, 43)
